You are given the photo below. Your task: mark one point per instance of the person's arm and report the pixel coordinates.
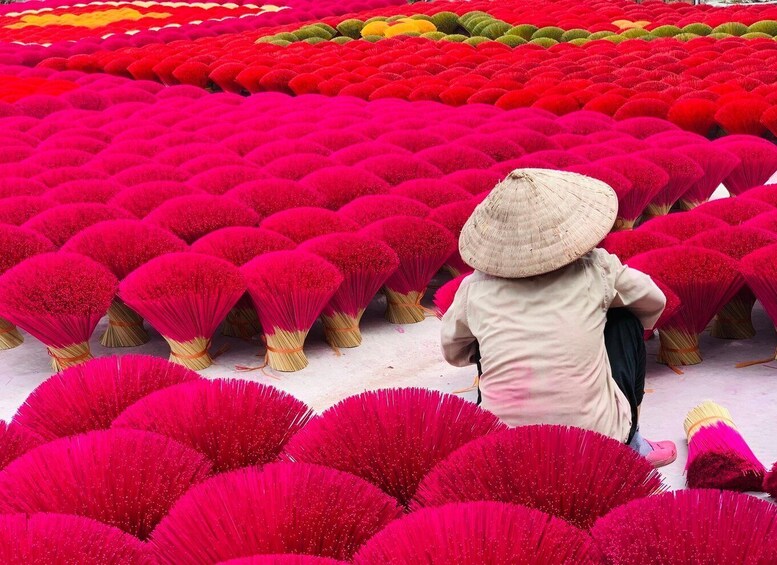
(459, 346)
(637, 292)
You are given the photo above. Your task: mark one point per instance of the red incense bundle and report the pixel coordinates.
(766, 221)
(301, 224)
(734, 211)
(62, 222)
(683, 225)
(239, 245)
(368, 209)
(443, 298)
(141, 199)
(15, 441)
(757, 162)
(184, 296)
(290, 289)
(422, 247)
(87, 190)
(58, 298)
(760, 271)
(718, 456)
(647, 180)
(734, 320)
(627, 244)
(432, 192)
(683, 173)
(391, 438)
(704, 280)
(555, 461)
(16, 210)
(365, 264)
(268, 196)
(123, 246)
(717, 164)
(766, 193)
(770, 482)
(340, 185)
(453, 216)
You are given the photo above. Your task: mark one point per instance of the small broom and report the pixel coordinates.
(717, 164)
(58, 298)
(718, 456)
(422, 247)
(555, 462)
(239, 245)
(760, 271)
(368, 209)
(301, 224)
(17, 244)
(123, 478)
(704, 280)
(736, 528)
(45, 538)
(233, 423)
(281, 508)
(290, 289)
(479, 532)
(91, 395)
(365, 264)
(60, 223)
(184, 296)
(453, 216)
(734, 320)
(391, 438)
(122, 246)
(626, 244)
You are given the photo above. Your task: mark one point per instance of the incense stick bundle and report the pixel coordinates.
(368, 209)
(268, 196)
(290, 289)
(453, 216)
(734, 211)
(704, 280)
(627, 244)
(16, 210)
(365, 264)
(301, 224)
(683, 173)
(760, 271)
(62, 222)
(647, 180)
(683, 225)
(184, 296)
(422, 247)
(717, 164)
(58, 298)
(123, 246)
(718, 456)
(141, 199)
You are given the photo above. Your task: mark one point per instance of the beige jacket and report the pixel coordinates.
(542, 341)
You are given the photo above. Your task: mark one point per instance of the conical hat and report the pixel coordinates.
(536, 221)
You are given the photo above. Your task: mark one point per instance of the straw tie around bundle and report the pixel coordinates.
(734, 319)
(760, 271)
(58, 298)
(690, 527)
(290, 290)
(17, 244)
(91, 395)
(184, 296)
(239, 245)
(301, 224)
(704, 280)
(718, 456)
(123, 246)
(422, 247)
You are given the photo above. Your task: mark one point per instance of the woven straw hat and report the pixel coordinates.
(536, 221)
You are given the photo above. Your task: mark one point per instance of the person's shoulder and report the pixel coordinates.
(603, 259)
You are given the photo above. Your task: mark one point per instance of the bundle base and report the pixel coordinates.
(734, 320)
(69, 356)
(342, 330)
(125, 327)
(678, 347)
(284, 350)
(404, 308)
(192, 354)
(655, 210)
(242, 322)
(623, 224)
(686, 205)
(9, 335)
(724, 470)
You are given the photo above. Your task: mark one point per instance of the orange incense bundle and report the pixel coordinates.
(58, 298)
(123, 246)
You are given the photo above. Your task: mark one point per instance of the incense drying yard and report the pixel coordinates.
(228, 232)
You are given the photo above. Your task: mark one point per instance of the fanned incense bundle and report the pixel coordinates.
(717, 164)
(15, 440)
(268, 196)
(123, 478)
(683, 225)
(453, 216)
(141, 199)
(757, 162)
(184, 296)
(281, 508)
(283, 559)
(290, 289)
(340, 185)
(766, 193)
(734, 211)
(219, 180)
(766, 221)
(365, 264)
(368, 209)
(60, 538)
(301, 224)
(16, 210)
(123, 246)
(760, 271)
(570, 473)
(239, 245)
(432, 192)
(233, 423)
(673, 305)
(17, 244)
(422, 247)
(734, 320)
(479, 532)
(718, 456)
(683, 173)
(443, 298)
(58, 298)
(736, 528)
(396, 169)
(647, 180)
(391, 438)
(704, 280)
(626, 244)
(88, 190)
(62, 222)
(91, 395)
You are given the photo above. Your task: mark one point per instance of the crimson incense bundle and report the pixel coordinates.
(770, 482)
(760, 271)
(734, 211)
(683, 173)
(445, 295)
(757, 162)
(290, 289)
(123, 246)
(268, 196)
(16, 210)
(704, 280)
(58, 298)
(87, 190)
(15, 441)
(683, 225)
(340, 185)
(453, 216)
(717, 164)
(368, 209)
(141, 199)
(734, 320)
(766, 193)
(184, 296)
(432, 192)
(301, 224)
(647, 180)
(422, 247)
(365, 264)
(62, 222)
(627, 244)
(766, 221)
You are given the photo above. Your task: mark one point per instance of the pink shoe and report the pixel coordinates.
(664, 453)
